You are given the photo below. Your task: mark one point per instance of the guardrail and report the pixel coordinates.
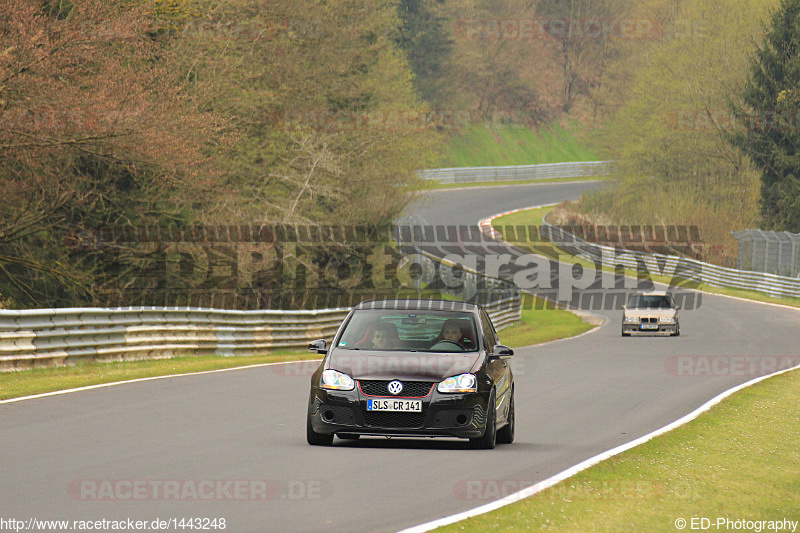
(578, 169)
(44, 337)
(771, 284)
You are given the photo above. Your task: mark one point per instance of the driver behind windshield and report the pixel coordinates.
(451, 331)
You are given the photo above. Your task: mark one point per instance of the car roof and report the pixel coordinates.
(653, 293)
(419, 304)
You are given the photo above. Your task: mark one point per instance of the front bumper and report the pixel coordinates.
(662, 329)
(443, 415)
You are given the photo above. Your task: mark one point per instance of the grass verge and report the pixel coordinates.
(536, 326)
(41, 380)
(534, 217)
(738, 461)
(489, 145)
(542, 325)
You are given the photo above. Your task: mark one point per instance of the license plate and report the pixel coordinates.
(649, 326)
(390, 404)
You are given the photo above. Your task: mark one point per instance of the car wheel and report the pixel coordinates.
(506, 434)
(317, 439)
(348, 436)
(489, 439)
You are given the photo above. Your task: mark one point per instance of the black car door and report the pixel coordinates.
(498, 369)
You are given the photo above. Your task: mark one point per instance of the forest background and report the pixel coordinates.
(181, 114)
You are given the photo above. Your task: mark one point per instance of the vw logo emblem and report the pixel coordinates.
(395, 387)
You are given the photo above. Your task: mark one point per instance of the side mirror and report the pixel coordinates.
(624, 307)
(501, 351)
(318, 346)
(677, 307)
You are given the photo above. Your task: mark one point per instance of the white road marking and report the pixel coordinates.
(139, 380)
(549, 482)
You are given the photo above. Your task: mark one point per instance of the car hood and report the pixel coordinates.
(361, 364)
(655, 312)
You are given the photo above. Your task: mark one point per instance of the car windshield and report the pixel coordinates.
(650, 301)
(418, 331)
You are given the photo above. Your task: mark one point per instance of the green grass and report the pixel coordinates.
(488, 145)
(534, 217)
(542, 325)
(739, 460)
(41, 380)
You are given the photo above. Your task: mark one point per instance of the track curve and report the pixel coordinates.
(574, 399)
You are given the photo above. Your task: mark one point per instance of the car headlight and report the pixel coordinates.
(335, 380)
(460, 383)
(630, 320)
(668, 320)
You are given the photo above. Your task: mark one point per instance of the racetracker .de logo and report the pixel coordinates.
(558, 29)
(196, 489)
(641, 490)
(728, 365)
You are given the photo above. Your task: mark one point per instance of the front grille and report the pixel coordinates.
(388, 419)
(649, 320)
(416, 389)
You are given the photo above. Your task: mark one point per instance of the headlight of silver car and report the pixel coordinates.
(630, 320)
(667, 320)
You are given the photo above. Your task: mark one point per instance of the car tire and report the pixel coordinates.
(506, 434)
(317, 439)
(348, 436)
(489, 438)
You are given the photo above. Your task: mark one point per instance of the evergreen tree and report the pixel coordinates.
(425, 38)
(768, 132)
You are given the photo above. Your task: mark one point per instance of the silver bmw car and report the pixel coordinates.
(650, 313)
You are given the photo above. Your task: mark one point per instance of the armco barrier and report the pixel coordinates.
(578, 169)
(773, 285)
(43, 337)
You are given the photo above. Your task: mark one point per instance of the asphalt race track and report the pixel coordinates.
(238, 437)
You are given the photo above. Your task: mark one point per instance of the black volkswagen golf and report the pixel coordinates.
(413, 368)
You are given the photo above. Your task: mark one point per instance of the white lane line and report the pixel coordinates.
(153, 378)
(549, 482)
